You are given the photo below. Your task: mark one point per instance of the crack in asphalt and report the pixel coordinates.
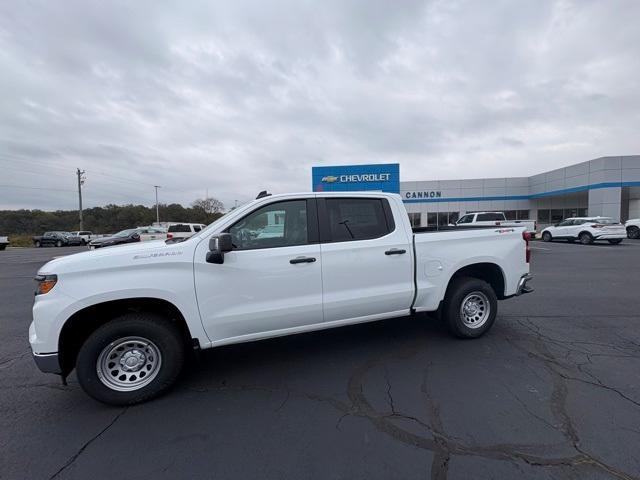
(443, 445)
(6, 363)
(75, 456)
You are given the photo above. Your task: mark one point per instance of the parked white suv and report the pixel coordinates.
(586, 230)
(183, 230)
(633, 228)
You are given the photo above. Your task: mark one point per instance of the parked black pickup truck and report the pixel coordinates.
(56, 239)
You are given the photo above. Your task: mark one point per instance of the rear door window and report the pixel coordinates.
(357, 219)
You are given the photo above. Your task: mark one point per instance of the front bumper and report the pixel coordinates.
(48, 362)
(522, 285)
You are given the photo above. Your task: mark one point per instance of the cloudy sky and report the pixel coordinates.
(236, 96)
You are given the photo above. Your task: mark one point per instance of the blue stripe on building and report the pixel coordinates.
(532, 196)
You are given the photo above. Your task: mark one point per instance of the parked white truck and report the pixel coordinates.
(486, 219)
(4, 242)
(126, 317)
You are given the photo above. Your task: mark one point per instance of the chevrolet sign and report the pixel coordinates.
(379, 177)
(358, 178)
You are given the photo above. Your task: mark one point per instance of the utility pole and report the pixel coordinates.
(80, 174)
(157, 211)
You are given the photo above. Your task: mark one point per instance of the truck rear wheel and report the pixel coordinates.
(470, 307)
(131, 359)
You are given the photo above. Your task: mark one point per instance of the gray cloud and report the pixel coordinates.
(235, 97)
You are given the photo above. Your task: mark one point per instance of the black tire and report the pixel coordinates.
(633, 232)
(83, 242)
(585, 238)
(59, 243)
(464, 288)
(546, 237)
(615, 241)
(163, 335)
(37, 244)
(3, 246)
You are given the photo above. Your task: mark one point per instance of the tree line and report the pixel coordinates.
(107, 219)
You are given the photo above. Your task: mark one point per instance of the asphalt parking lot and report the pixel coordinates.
(553, 391)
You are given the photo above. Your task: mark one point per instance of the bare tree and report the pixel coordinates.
(210, 205)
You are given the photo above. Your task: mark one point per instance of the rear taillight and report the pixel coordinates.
(169, 235)
(526, 236)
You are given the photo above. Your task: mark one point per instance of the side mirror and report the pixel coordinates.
(218, 246)
(135, 236)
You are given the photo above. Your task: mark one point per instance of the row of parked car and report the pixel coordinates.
(174, 232)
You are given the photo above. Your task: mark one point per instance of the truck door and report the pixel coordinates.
(270, 281)
(367, 262)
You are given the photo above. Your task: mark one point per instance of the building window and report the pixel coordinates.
(557, 215)
(510, 214)
(522, 214)
(582, 212)
(414, 219)
(543, 216)
(432, 219)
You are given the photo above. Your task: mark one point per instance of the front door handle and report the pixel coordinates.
(302, 260)
(395, 251)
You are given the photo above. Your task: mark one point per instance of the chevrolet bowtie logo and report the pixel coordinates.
(329, 179)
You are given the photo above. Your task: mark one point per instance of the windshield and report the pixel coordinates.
(125, 233)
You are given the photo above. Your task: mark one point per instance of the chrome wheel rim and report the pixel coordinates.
(475, 309)
(128, 364)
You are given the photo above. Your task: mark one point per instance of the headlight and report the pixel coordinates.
(44, 283)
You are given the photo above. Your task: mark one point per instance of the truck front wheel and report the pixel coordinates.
(470, 307)
(131, 359)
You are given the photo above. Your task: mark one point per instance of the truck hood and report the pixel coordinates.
(117, 256)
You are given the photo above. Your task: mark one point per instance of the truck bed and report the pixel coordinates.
(446, 251)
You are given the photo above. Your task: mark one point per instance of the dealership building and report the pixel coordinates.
(606, 186)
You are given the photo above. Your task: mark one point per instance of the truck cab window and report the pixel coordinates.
(282, 224)
(356, 219)
(466, 219)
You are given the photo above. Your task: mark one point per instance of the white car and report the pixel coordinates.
(4, 242)
(490, 219)
(125, 318)
(183, 230)
(633, 228)
(586, 230)
(152, 233)
(85, 235)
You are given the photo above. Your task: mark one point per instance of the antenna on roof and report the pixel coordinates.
(263, 194)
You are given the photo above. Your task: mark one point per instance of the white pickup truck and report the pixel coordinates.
(486, 219)
(126, 317)
(4, 242)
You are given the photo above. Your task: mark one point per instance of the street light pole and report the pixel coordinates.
(157, 211)
(80, 174)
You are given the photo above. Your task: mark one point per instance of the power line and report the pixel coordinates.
(37, 188)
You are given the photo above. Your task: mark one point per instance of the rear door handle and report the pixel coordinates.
(302, 260)
(395, 251)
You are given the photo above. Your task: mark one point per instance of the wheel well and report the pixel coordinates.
(84, 322)
(585, 231)
(489, 272)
